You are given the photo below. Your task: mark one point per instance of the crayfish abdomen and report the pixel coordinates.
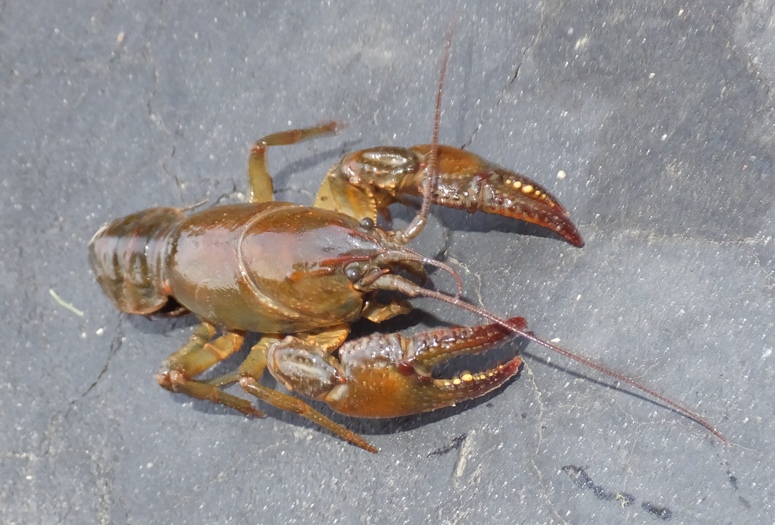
(128, 258)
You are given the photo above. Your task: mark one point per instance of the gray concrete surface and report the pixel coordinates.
(661, 114)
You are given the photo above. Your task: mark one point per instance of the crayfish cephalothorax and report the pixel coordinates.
(301, 275)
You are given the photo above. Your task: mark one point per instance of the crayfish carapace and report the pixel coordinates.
(300, 275)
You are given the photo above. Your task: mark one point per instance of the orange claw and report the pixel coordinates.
(467, 181)
(366, 182)
(389, 375)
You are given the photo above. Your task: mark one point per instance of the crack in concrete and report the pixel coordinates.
(55, 436)
(760, 241)
(157, 119)
(650, 235)
(478, 277)
(115, 346)
(502, 92)
(147, 53)
(544, 492)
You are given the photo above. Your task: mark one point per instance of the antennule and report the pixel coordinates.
(407, 253)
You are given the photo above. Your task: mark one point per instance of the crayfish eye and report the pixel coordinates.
(354, 271)
(367, 223)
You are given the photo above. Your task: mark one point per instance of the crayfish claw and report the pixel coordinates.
(389, 375)
(467, 385)
(468, 182)
(366, 182)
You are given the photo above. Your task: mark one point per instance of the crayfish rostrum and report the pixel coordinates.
(300, 275)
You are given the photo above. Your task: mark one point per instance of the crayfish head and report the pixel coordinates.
(390, 258)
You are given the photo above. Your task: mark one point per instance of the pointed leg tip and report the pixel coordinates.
(358, 441)
(335, 126)
(256, 413)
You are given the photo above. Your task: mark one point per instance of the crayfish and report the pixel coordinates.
(301, 275)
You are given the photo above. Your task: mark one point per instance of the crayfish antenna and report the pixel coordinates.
(456, 301)
(431, 180)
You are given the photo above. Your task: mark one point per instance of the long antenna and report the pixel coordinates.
(570, 355)
(431, 179)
